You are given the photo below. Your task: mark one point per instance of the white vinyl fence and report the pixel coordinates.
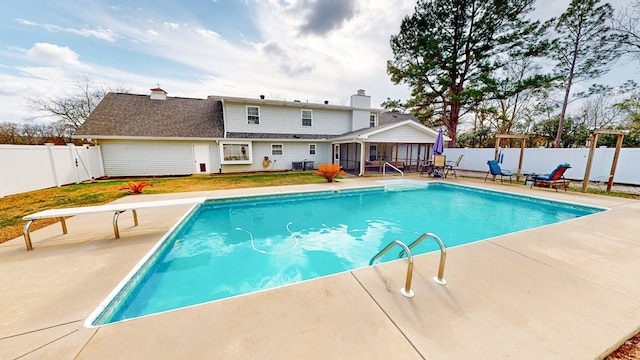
(26, 168)
(544, 160)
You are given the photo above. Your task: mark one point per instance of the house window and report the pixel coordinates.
(373, 120)
(312, 149)
(253, 115)
(373, 152)
(307, 117)
(236, 152)
(277, 149)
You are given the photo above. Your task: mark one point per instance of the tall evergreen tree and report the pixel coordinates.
(447, 50)
(584, 49)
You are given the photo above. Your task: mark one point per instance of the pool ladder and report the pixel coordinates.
(439, 279)
(384, 169)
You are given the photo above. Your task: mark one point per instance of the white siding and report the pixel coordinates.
(283, 119)
(215, 157)
(360, 119)
(151, 158)
(293, 151)
(402, 134)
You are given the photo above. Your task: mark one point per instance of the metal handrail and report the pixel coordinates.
(384, 169)
(443, 255)
(406, 291)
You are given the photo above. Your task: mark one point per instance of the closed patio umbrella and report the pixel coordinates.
(438, 149)
(438, 146)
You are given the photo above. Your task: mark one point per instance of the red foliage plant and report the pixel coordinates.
(329, 171)
(135, 188)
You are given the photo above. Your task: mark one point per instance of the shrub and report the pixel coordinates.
(329, 171)
(135, 188)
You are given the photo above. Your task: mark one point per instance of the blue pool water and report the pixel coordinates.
(232, 247)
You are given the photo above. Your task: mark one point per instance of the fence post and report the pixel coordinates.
(53, 164)
(74, 160)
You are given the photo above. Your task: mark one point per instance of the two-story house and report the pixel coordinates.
(143, 135)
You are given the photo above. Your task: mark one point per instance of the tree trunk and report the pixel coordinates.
(565, 103)
(452, 124)
(563, 112)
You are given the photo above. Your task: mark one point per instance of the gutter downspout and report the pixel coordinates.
(224, 134)
(224, 119)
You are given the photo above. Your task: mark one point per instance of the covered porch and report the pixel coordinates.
(403, 144)
(405, 156)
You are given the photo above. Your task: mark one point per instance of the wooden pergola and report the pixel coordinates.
(523, 140)
(614, 163)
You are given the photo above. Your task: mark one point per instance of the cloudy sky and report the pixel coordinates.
(308, 50)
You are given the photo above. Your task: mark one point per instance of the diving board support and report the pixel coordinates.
(116, 215)
(27, 235)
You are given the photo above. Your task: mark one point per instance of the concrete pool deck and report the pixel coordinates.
(564, 291)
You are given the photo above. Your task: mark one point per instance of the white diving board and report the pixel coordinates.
(117, 209)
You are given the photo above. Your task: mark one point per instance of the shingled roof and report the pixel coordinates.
(394, 117)
(130, 115)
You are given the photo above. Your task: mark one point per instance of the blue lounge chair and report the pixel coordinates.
(495, 170)
(554, 179)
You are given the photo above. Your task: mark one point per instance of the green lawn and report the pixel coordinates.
(14, 207)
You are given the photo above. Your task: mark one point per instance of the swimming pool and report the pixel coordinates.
(235, 246)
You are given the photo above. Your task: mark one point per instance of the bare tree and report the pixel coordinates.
(33, 133)
(626, 24)
(599, 111)
(73, 108)
(10, 133)
(512, 94)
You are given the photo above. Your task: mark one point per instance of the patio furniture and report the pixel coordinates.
(451, 166)
(426, 166)
(495, 170)
(439, 164)
(554, 179)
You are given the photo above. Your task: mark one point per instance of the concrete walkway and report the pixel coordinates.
(564, 291)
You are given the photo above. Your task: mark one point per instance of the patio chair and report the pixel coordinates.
(451, 166)
(554, 179)
(439, 164)
(495, 170)
(426, 167)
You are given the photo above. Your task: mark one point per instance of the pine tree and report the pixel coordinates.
(584, 49)
(447, 50)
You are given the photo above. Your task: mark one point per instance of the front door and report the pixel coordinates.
(201, 158)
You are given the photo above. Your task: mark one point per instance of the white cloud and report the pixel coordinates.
(102, 34)
(43, 72)
(207, 33)
(99, 33)
(26, 22)
(172, 26)
(52, 54)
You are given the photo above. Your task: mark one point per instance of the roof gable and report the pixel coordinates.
(389, 127)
